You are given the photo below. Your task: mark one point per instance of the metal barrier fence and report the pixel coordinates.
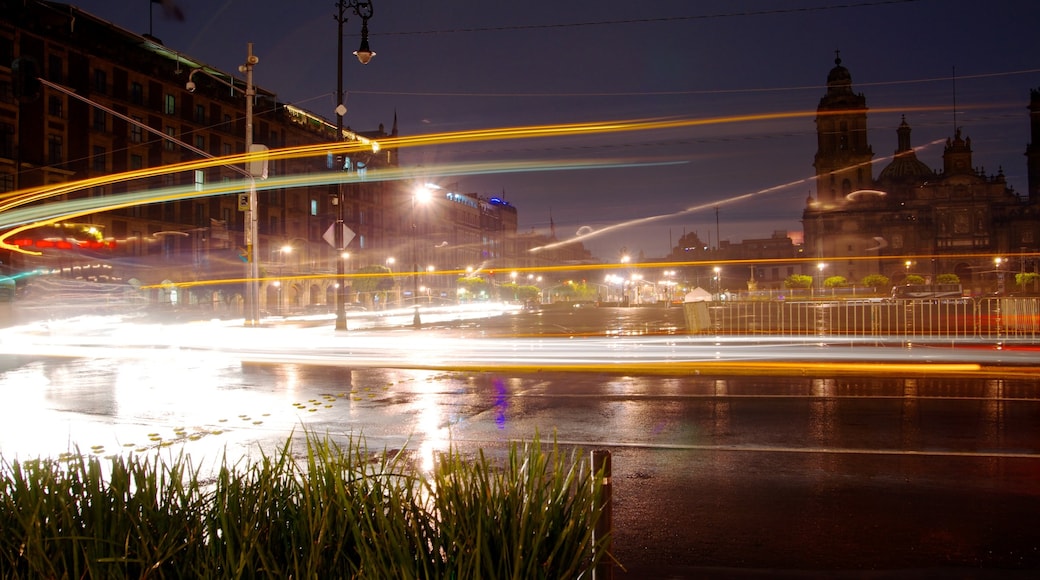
(986, 318)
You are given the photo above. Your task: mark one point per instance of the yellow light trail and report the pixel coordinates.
(23, 197)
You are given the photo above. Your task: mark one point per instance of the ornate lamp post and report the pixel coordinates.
(363, 10)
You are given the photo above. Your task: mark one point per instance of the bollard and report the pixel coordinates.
(604, 569)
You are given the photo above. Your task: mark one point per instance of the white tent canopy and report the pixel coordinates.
(698, 294)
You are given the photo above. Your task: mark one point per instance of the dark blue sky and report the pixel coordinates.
(471, 64)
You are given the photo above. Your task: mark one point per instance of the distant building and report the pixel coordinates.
(911, 219)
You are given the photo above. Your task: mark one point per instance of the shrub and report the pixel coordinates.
(876, 281)
(835, 282)
(798, 281)
(948, 279)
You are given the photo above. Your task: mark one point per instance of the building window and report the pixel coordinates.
(314, 207)
(99, 159)
(100, 81)
(168, 144)
(100, 120)
(200, 142)
(54, 149)
(136, 93)
(136, 162)
(171, 105)
(6, 140)
(200, 179)
(54, 66)
(6, 182)
(6, 49)
(200, 114)
(54, 106)
(227, 149)
(136, 134)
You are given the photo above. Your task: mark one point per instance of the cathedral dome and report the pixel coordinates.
(905, 167)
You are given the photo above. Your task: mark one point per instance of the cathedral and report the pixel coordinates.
(912, 219)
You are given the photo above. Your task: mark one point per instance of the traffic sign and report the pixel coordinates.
(330, 235)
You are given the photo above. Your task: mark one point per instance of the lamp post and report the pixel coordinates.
(1000, 275)
(420, 195)
(363, 10)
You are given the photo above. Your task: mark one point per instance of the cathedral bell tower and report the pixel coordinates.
(843, 156)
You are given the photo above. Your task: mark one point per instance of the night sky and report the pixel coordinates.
(473, 64)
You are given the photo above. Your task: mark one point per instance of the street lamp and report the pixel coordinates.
(1000, 275)
(364, 54)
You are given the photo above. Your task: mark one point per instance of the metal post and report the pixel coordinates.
(363, 9)
(601, 534)
(416, 320)
(341, 288)
(252, 241)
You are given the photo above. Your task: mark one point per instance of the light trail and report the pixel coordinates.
(23, 197)
(112, 337)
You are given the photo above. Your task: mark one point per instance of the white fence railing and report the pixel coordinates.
(988, 318)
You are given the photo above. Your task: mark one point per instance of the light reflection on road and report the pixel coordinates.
(217, 387)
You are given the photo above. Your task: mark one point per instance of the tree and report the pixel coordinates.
(372, 278)
(473, 287)
(913, 279)
(798, 281)
(876, 281)
(948, 279)
(835, 282)
(1024, 279)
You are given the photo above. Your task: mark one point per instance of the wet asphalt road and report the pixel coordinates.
(713, 477)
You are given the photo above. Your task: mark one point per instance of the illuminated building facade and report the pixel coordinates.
(136, 94)
(911, 219)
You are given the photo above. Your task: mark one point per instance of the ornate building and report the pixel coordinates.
(911, 219)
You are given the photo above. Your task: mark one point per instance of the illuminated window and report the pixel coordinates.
(200, 179)
(171, 105)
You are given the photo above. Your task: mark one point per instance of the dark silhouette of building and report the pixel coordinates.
(911, 219)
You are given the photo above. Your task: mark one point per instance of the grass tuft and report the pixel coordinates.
(329, 512)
